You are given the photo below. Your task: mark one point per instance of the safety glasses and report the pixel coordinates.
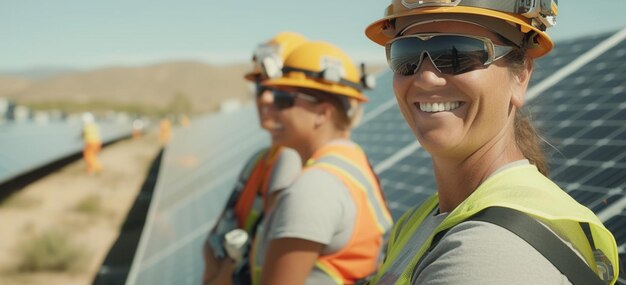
(283, 99)
(450, 53)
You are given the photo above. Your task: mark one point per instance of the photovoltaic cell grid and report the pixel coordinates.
(199, 169)
(383, 131)
(564, 52)
(573, 114)
(584, 116)
(26, 146)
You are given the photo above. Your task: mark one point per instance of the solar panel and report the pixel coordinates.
(26, 146)
(581, 110)
(199, 169)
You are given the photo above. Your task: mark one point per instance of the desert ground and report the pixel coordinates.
(85, 211)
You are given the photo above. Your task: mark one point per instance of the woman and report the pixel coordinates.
(461, 70)
(267, 172)
(328, 226)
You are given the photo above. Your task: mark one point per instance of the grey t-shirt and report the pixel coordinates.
(286, 168)
(317, 207)
(476, 252)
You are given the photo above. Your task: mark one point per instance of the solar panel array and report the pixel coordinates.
(582, 114)
(199, 168)
(26, 146)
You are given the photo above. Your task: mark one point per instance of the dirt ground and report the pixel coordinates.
(54, 202)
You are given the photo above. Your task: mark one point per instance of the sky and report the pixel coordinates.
(79, 34)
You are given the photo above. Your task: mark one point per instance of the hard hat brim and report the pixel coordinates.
(544, 45)
(252, 76)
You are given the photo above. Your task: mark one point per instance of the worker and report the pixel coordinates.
(267, 172)
(460, 74)
(165, 131)
(92, 144)
(138, 128)
(328, 226)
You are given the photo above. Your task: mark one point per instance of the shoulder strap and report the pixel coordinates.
(543, 240)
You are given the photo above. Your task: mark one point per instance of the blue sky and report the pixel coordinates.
(93, 34)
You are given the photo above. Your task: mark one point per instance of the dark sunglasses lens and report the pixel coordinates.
(450, 54)
(283, 100)
(259, 90)
(405, 55)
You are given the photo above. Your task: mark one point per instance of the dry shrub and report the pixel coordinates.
(52, 250)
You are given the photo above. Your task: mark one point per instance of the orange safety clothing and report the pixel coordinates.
(92, 145)
(359, 258)
(165, 131)
(255, 189)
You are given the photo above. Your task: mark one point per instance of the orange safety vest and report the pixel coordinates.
(254, 189)
(359, 257)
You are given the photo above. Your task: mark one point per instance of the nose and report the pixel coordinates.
(266, 98)
(426, 74)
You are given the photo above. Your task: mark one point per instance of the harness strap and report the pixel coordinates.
(543, 240)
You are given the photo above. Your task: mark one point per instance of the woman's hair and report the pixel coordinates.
(526, 136)
(348, 110)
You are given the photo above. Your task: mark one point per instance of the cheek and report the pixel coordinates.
(400, 84)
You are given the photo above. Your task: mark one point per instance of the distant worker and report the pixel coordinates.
(165, 131)
(266, 173)
(138, 127)
(92, 143)
(184, 121)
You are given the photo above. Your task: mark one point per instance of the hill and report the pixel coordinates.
(196, 86)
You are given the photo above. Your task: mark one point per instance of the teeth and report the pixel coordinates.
(439, 107)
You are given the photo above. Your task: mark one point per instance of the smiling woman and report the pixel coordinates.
(328, 226)
(461, 70)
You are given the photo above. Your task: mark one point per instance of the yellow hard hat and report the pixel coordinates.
(531, 18)
(322, 66)
(269, 56)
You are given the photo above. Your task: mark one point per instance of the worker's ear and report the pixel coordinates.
(324, 113)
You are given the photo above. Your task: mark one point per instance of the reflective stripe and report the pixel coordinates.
(403, 247)
(352, 172)
(330, 272)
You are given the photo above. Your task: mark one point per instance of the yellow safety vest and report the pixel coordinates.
(521, 188)
(91, 133)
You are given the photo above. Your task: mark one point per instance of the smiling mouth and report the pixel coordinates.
(438, 107)
(275, 126)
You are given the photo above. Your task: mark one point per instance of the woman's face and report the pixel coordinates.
(478, 103)
(292, 126)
